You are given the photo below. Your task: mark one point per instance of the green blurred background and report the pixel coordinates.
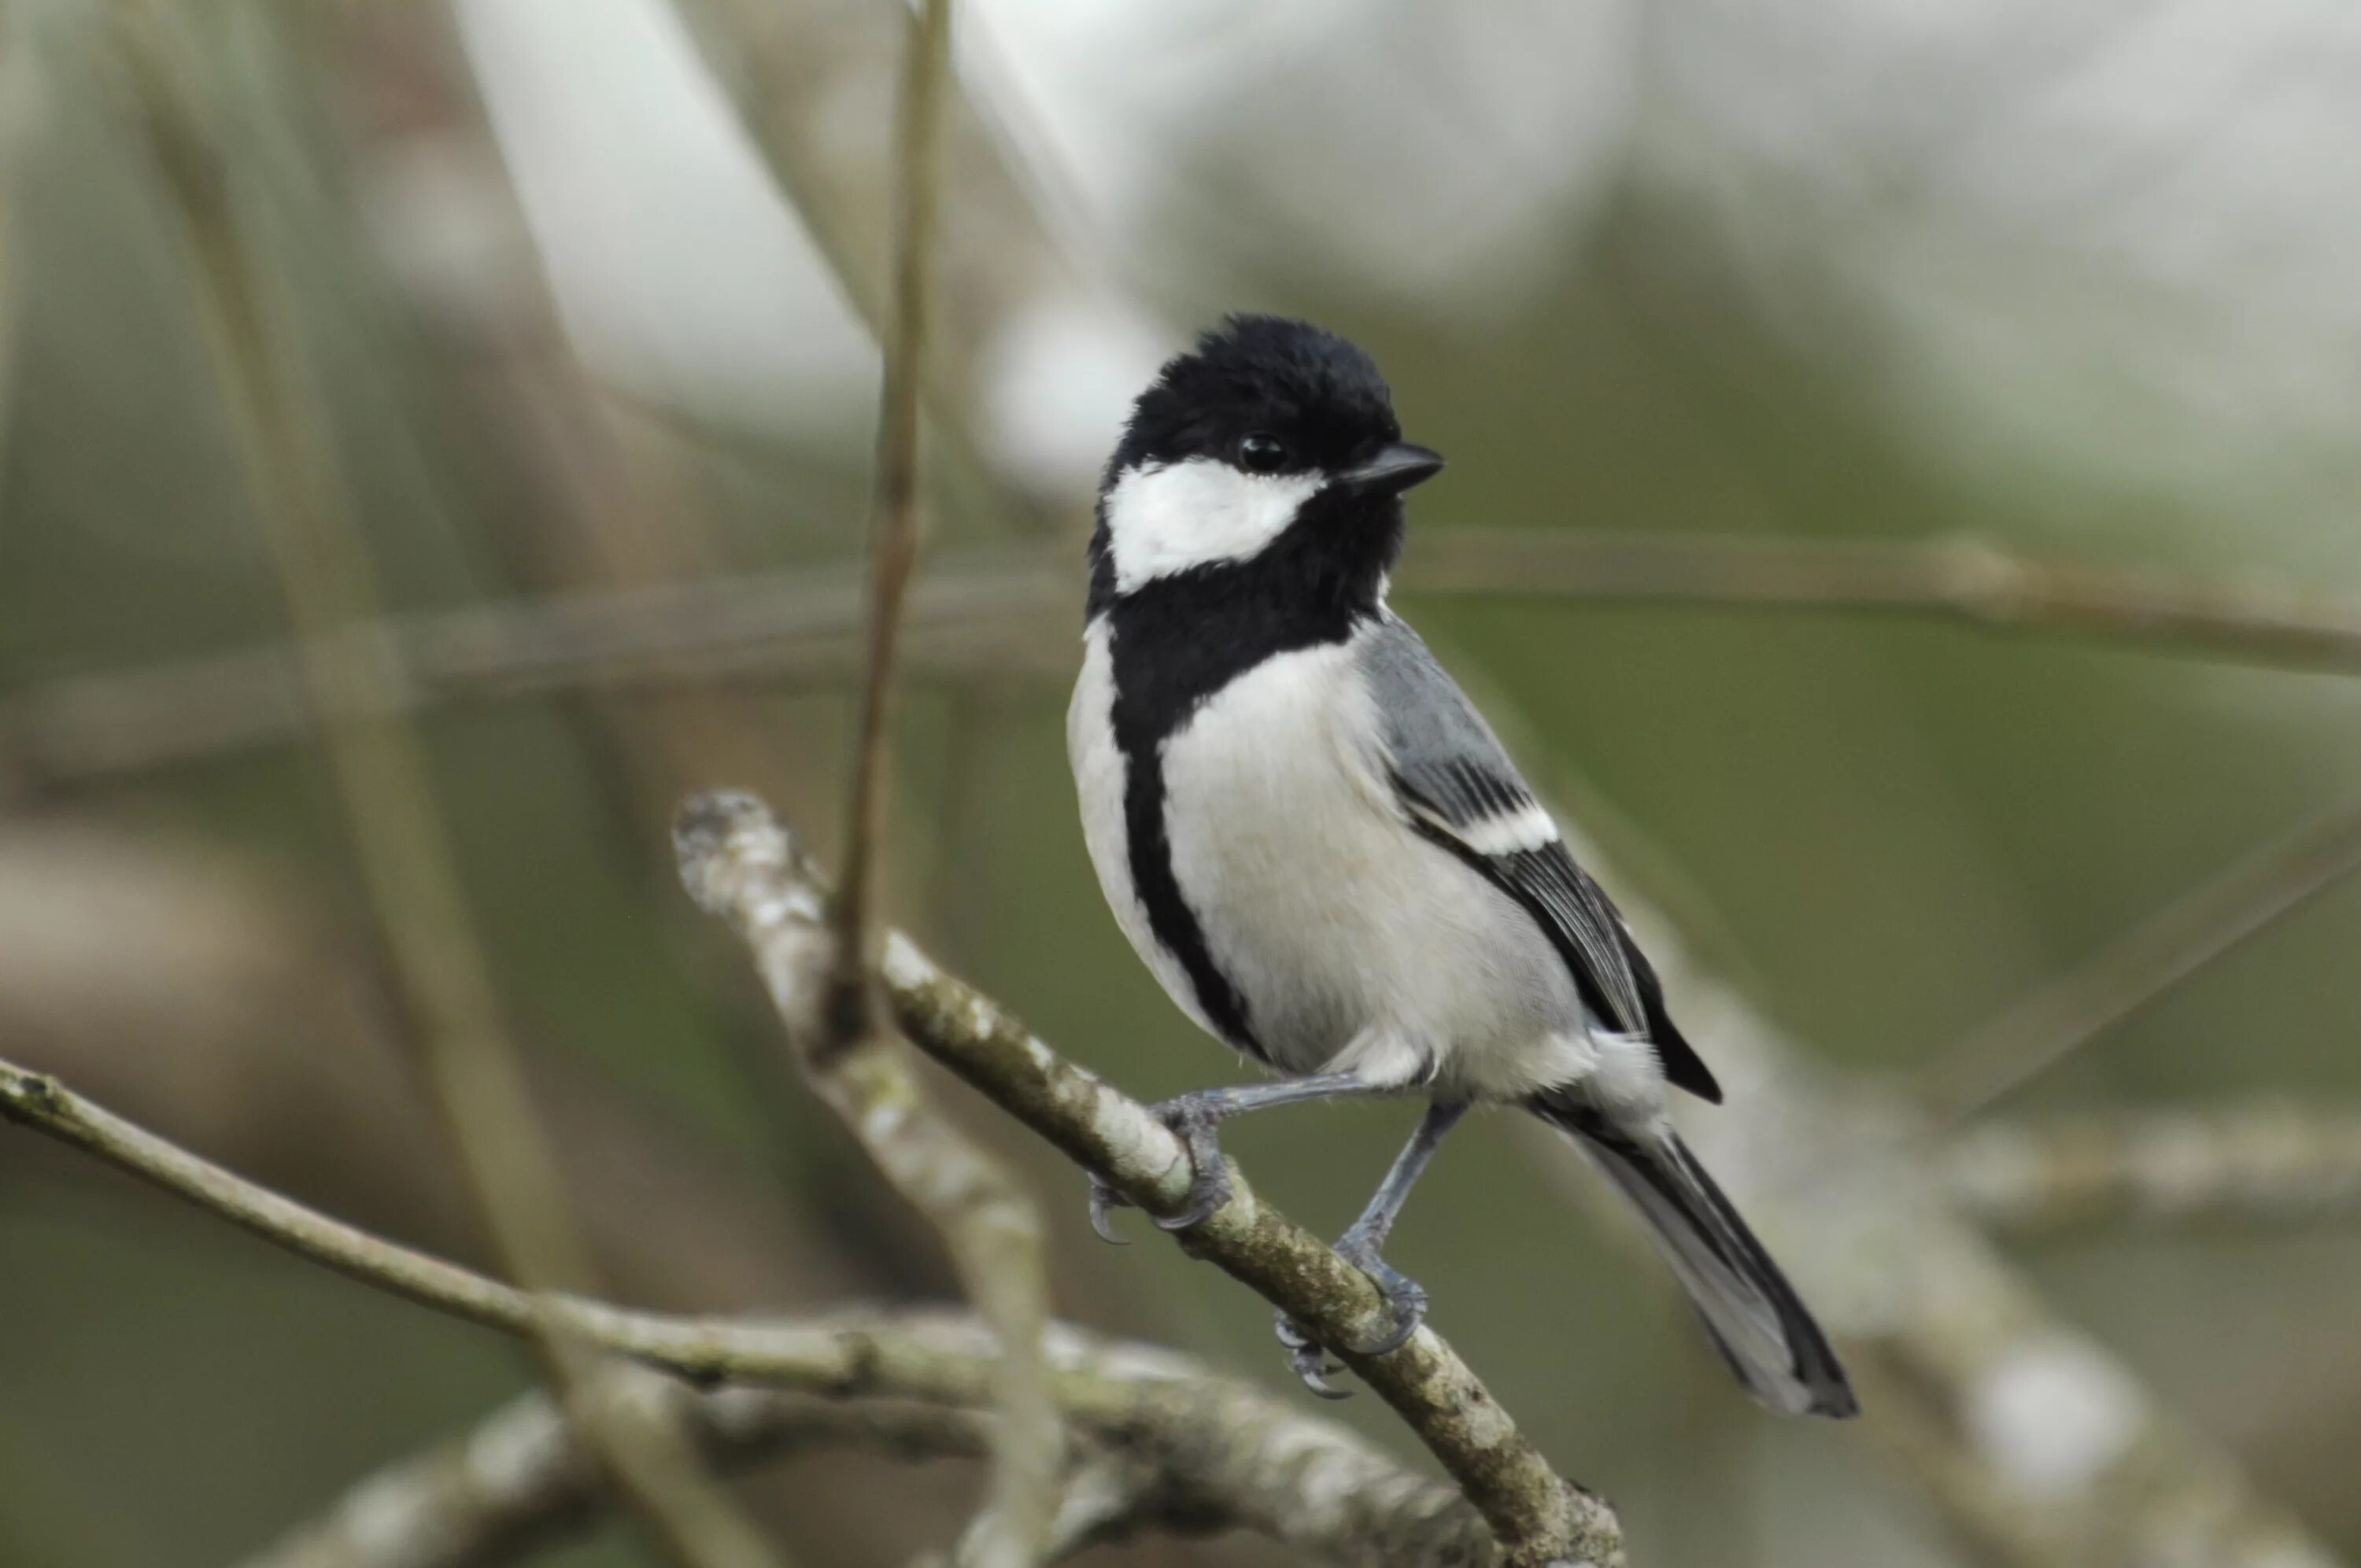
(1721, 268)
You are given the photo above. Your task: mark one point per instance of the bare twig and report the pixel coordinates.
(986, 1221)
(2191, 932)
(382, 777)
(893, 511)
(2273, 1161)
(1301, 1480)
(1539, 1518)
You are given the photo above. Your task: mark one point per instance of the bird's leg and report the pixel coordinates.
(1194, 1116)
(1360, 1246)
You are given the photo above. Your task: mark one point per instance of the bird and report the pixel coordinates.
(1321, 851)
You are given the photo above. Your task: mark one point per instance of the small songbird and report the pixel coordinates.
(1324, 853)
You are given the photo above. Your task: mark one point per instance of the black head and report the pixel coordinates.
(1269, 441)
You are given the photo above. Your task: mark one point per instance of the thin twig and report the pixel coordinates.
(986, 1221)
(2274, 1161)
(894, 510)
(405, 859)
(1292, 1476)
(1539, 1518)
(2059, 1018)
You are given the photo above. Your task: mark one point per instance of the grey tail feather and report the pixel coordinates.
(1762, 1328)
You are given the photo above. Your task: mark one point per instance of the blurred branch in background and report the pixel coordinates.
(1967, 579)
(1167, 1446)
(730, 844)
(20, 110)
(386, 787)
(2191, 932)
(2040, 1446)
(1008, 612)
(2274, 1163)
(979, 613)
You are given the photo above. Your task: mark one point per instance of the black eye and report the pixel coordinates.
(1261, 454)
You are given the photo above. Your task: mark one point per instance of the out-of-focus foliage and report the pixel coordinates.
(2075, 278)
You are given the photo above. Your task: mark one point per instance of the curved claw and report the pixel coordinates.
(1404, 1298)
(1104, 1198)
(1308, 1359)
(1314, 1380)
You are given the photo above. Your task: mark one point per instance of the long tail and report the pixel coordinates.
(1757, 1322)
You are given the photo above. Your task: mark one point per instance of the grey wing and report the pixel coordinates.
(1455, 781)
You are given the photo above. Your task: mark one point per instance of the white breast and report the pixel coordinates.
(1356, 942)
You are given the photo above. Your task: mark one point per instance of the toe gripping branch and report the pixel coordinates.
(1194, 1118)
(1192, 1121)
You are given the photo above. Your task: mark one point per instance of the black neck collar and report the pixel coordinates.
(1180, 638)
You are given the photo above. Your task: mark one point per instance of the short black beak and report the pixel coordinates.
(1392, 470)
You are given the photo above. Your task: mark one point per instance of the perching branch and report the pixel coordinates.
(1167, 1445)
(2165, 949)
(1235, 1450)
(2272, 1161)
(730, 840)
(384, 784)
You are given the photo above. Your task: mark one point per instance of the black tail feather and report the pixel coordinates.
(1755, 1319)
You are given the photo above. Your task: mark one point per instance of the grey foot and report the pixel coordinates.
(1193, 1119)
(1405, 1300)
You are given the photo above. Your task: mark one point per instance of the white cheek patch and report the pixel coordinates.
(1166, 518)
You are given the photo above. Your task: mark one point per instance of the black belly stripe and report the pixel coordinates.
(1175, 925)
